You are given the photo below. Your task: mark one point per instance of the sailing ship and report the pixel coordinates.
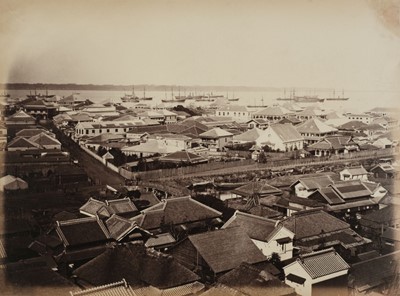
(334, 98)
(4, 95)
(144, 96)
(233, 99)
(131, 98)
(176, 99)
(285, 98)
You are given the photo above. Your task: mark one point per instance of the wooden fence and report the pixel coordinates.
(99, 158)
(239, 166)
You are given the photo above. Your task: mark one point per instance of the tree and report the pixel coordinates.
(262, 158)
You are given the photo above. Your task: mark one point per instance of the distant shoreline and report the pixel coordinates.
(139, 87)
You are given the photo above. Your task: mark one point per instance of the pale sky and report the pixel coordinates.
(333, 44)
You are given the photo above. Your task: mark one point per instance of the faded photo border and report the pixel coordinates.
(218, 42)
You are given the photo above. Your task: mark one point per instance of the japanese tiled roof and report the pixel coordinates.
(256, 227)
(30, 132)
(250, 280)
(260, 187)
(314, 182)
(366, 275)
(226, 249)
(82, 231)
(22, 143)
(119, 227)
(20, 116)
(175, 211)
(335, 142)
(322, 263)
(353, 125)
(138, 266)
(351, 189)
(44, 139)
(314, 222)
(388, 215)
(160, 240)
(357, 170)
(120, 288)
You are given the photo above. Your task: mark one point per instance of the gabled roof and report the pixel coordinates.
(183, 156)
(175, 211)
(120, 288)
(312, 183)
(260, 187)
(104, 138)
(226, 249)
(215, 133)
(374, 272)
(250, 280)
(273, 111)
(286, 132)
(138, 266)
(356, 171)
(387, 168)
(256, 227)
(119, 227)
(44, 139)
(249, 135)
(94, 207)
(22, 143)
(330, 195)
(321, 263)
(121, 206)
(30, 132)
(311, 223)
(353, 125)
(351, 189)
(333, 142)
(159, 240)
(82, 231)
(315, 126)
(311, 111)
(20, 116)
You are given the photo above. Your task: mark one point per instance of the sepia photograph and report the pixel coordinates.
(199, 148)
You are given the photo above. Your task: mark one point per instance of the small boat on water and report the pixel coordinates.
(233, 99)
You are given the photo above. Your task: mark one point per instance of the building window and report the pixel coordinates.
(116, 130)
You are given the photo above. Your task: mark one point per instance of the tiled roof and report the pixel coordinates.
(351, 189)
(261, 188)
(22, 143)
(175, 211)
(119, 227)
(374, 272)
(19, 117)
(330, 195)
(121, 206)
(94, 207)
(226, 249)
(44, 139)
(120, 288)
(256, 227)
(160, 240)
(356, 171)
(137, 266)
(30, 132)
(333, 142)
(273, 111)
(82, 231)
(215, 133)
(353, 125)
(392, 234)
(314, 222)
(388, 215)
(252, 281)
(315, 126)
(387, 168)
(183, 156)
(287, 132)
(233, 108)
(312, 183)
(249, 135)
(322, 263)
